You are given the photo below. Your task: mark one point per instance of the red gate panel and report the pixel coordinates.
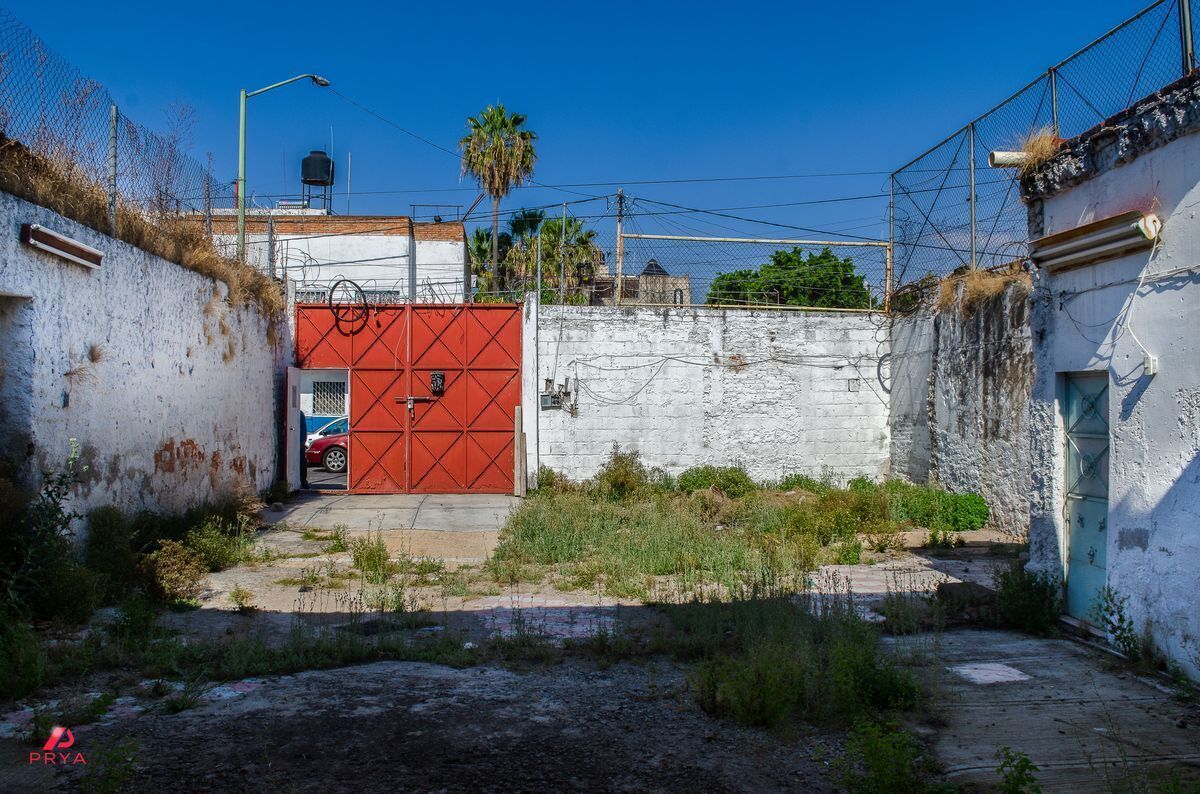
(459, 441)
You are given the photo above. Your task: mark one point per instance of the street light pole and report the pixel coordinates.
(241, 178)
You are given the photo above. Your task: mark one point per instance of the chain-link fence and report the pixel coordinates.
(951, 210)
(50, 108)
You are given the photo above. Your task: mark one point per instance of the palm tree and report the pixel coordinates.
(499, 154)
(525, 223)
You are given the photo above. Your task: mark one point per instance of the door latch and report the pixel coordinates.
(412, 400)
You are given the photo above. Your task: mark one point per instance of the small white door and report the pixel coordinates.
(293, 444)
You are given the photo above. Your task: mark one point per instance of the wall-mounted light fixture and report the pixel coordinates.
(54, 243)
(1096, 242)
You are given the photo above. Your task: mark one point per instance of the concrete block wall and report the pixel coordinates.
(179, 408)
(961, 381)
(777, 391)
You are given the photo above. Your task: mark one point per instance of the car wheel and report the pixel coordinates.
(334, 459)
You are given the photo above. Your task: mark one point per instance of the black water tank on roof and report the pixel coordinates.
(316, 169)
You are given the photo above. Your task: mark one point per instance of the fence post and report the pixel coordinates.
(971, 197)
(1054, 99)
(208, 199)
(620, 246)
(271, 243)
(1185, 36)
(112, 169)
(888, 263)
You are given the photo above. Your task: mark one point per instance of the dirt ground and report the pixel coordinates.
(1078, 713)
(418, 727)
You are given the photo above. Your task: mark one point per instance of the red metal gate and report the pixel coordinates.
(404, 437)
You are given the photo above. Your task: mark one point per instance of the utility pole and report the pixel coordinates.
(620, 247)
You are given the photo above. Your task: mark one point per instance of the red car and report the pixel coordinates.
(328, 446)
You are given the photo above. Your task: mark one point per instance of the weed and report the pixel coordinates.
(1110, 613)
(109, 548)
(23, 659)
(176, 571)
(338, 540)
(187, 698)
(884, 759)
(802, 482)
(1016, 772)
(242, 599)
(109, 768)
(1030, 602)
(849, 552)
(732, 481)
(943, 539)
(370, 555)
(221, 544)
(621, 476)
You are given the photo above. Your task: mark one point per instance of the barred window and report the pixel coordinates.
(329, 398)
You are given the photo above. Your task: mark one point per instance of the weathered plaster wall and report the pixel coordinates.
(777, 391)
(1103, 318)
(179, 409)
(960, 389)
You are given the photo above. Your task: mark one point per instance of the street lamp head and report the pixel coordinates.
(319, 80)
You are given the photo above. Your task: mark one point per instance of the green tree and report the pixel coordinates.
(479, 249)
(498, 151)
(820, 280)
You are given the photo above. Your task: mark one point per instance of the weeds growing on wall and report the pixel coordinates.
(635, 532)
(969, 289)
(1030, 602)
(62, 187)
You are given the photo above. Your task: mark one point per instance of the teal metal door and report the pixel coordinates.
(1087, 491)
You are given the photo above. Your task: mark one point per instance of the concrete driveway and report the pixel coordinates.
(457, 527)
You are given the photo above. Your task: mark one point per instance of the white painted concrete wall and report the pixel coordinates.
(777, 391)
(377, 262)
(960, 391)
(1090, 319)
(179, 409)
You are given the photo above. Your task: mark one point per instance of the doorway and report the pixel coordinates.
(1086, 509)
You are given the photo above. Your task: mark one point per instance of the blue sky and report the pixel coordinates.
(615, 91)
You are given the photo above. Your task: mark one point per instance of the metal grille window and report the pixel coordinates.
(329, 398)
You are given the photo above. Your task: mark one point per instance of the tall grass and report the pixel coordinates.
(60, 185)
(632, 531)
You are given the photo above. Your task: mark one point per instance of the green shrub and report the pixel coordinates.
(761, 688)
(1016, 772)
(802, 482)
(176, 572)
(1109, 612)
(22, 659)
(935, 509)
(622, 476)
(967, 511)
(109, 550)
(1027, 601)
(883, 759)
(765, 660)
(221, 544)
(849, 552)
(732, 481)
